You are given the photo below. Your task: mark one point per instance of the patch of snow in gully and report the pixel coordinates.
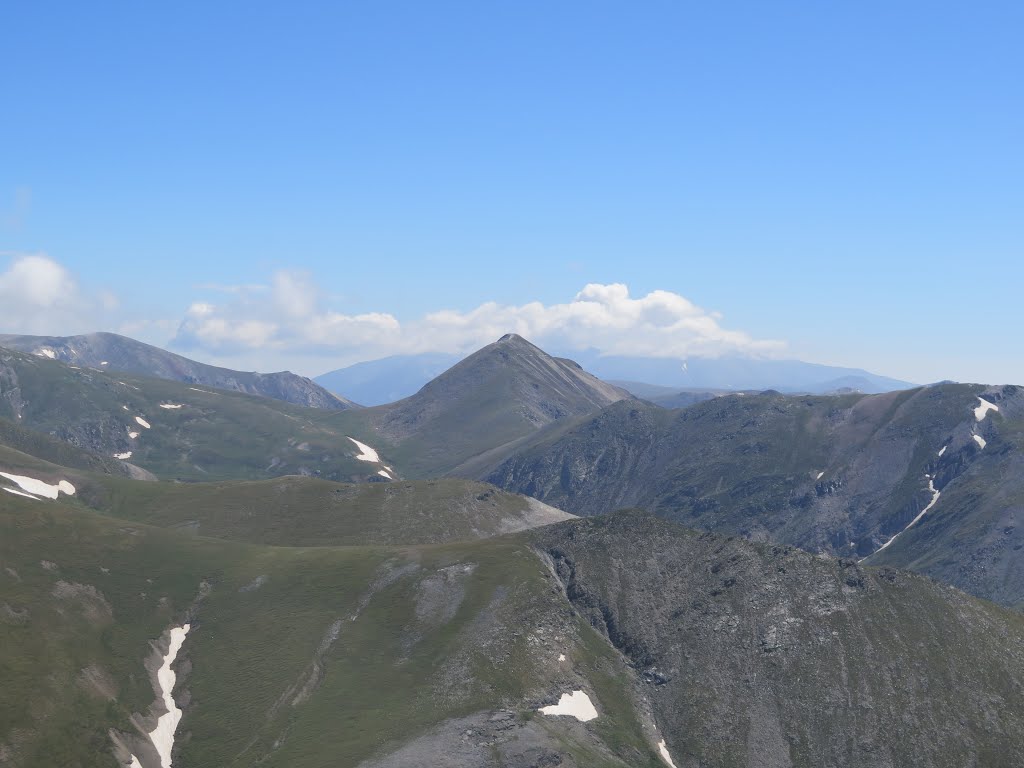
(984, 406)
(576, 704)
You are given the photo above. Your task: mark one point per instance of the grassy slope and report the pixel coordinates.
(396, 669)
(215, 435)
(295, 511)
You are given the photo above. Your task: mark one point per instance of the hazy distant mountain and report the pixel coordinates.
(108, 351)
(386, 380)
(382, 381)
(737, 373)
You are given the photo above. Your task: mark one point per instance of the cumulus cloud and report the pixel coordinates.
(294, 318)
(39, 295)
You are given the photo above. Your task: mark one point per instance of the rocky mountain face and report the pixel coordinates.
(761, 655)
(842, 475)
(108, 351)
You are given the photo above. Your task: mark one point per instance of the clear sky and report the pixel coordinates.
(308, 184)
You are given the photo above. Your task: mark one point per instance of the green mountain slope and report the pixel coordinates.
(306, 512)
(295, 656)
(193, 433)
(732, 653)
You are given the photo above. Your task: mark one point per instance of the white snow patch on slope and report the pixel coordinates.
(820, 475)
(980, 440)
(163, 735)
(368, 454)
(134, 763)
(38, 487)
(133, 435)
(44, 352)
(984, 406)
(922, 513)
(104, 362)
(16, 492)
(123, 456)
(382, 473)
(170, 406)
(576, 704)
(142, 422)
(943, 450)
(664, 754)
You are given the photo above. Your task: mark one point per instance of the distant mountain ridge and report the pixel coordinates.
(109, 351)
(377, 382)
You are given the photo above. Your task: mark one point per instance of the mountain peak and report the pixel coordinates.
(505, 391)
(512, 338)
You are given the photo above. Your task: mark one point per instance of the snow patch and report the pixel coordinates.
(984, 406)
(663, 750)
(104, 363)
(561, 657)
(123, 456)
(980, 440)
(16, 492)
(133, 435)
(204, 391)
(170, 406)
(943, 450)
(820, 475)
(576, 704)
(368, 454)
(382, 473)
(142, 422)
(44, 352)
(38, 487)
(922, 513)
(163, 735)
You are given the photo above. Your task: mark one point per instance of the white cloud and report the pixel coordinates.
(38, 295)
(295, 321)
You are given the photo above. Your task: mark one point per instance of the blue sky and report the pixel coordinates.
(838, 184)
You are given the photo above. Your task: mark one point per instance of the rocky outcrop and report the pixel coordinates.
(760, 655)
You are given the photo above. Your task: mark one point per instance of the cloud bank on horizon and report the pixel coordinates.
(291, 316)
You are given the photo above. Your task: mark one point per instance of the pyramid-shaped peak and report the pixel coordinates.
(512, 338)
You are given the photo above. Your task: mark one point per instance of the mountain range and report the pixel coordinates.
(109, 351)
(451, 578)
(377, 382)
